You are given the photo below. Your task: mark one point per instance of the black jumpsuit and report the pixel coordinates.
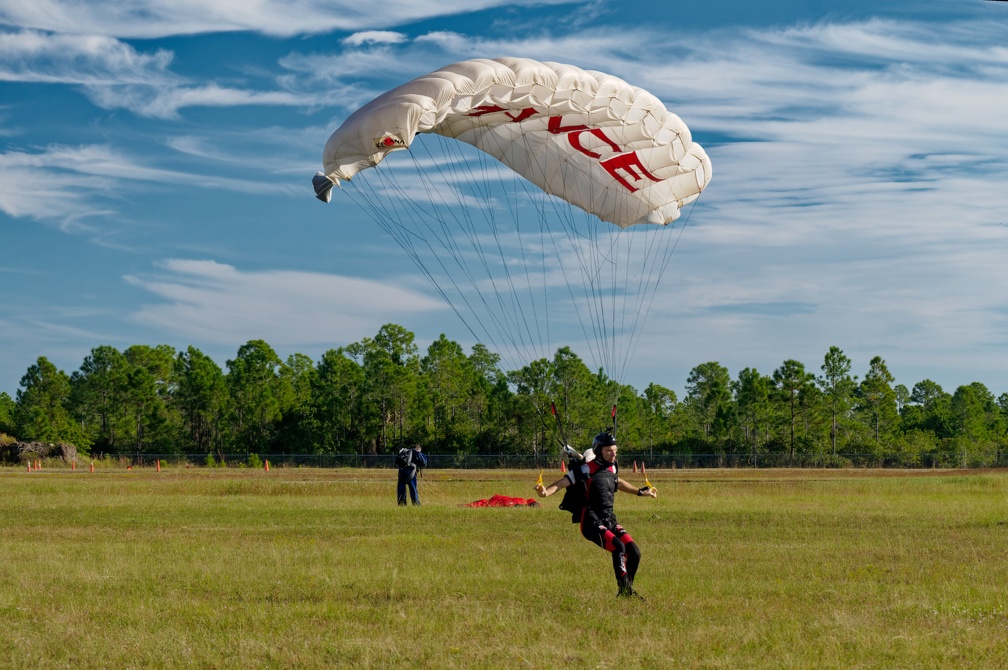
(598, 520)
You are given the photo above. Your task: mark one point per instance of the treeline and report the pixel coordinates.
(378, 394)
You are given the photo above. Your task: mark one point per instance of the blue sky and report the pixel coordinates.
(155, 166)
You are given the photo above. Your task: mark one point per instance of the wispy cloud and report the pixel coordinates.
(207, 301)
(32, 56)
(374, 37)
(114, 75)
(72, 185)
(148, 19)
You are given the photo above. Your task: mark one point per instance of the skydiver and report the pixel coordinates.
(598, 475)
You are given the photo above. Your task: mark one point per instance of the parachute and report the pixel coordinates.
(520, 264)
(498, 500)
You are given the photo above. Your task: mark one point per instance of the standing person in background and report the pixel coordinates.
(410, 462)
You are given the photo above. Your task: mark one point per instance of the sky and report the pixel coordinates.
(156, 164)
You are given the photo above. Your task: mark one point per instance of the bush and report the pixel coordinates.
(253, 461)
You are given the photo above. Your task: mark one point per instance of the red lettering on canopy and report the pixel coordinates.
(620, 167)
(574, 136)
(555, 128)
(486, 109)
(629, 163)
(515, 118)
(575, 140)
(522, 115)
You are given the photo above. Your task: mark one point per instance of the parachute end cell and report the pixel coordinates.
(323, 187)
(662, 216)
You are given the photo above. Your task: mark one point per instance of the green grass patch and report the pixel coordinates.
(238, 568)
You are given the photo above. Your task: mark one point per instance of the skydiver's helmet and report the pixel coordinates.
(602, 439)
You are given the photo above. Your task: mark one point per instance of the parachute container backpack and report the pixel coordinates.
(555, 228)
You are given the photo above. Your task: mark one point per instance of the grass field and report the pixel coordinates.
(236, 568)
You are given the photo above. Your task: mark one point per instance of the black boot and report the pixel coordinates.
(626, 590)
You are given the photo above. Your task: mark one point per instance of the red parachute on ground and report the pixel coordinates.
(503, 501)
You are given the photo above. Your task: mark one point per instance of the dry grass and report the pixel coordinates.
(318, 568)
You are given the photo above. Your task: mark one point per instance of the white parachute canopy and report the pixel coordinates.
(587, 138)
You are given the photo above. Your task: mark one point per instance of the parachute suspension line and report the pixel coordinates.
(657, 256)
(383, 215)
(463, 176)
(521, 321)
(535, 264)
(505, 326)
(545, 248)
(629, 322)
(517, 181)
(666, 259)
(547, 243)
(576, 234)
(565, 215)
(606, 291)
(405, 235)
(535, 194)
(601, 272)
(642, 287)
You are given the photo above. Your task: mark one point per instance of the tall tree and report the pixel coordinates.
(338, 421)
(293, 431)
(708, 395)
(99, 389)
(661, 403)
(41, 411)
(202, 399)
(534, 392)
(486, 366)
(7, 407)
(391, 370)
(902, 397)
(752, 397)
(929, 409)
(838, 388)
(878, 399)
(254, 385)
(791, 380)
(974, 416)
(582, 401)
(447, 379)
(149, 389)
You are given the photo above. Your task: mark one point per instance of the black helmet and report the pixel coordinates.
(603, 440)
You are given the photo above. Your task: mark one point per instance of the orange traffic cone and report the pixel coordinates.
(635, 466)
(73, 465)
(29, 467)
(159, 465)
(563, 467)
(266, 466)
(92, 466)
